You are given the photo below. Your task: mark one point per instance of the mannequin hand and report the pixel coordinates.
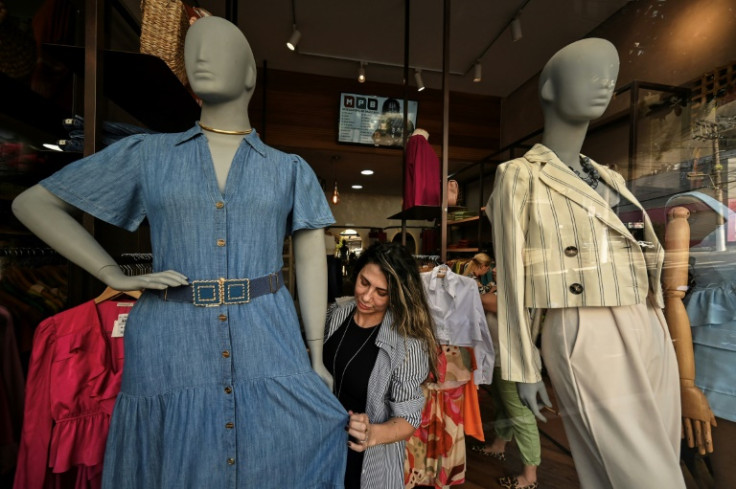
(359, 427)
(324, 374)
(528, 396)
(115, 278)
(697, 418)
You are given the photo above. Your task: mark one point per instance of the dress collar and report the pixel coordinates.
(252, 139)
(448, 282)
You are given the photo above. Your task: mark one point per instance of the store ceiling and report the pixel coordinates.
(337, 35)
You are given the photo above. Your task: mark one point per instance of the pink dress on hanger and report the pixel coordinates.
(421, 173)
(73, 380)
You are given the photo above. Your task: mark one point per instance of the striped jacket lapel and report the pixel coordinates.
(557, 176)
(653, 256)
(562, 180)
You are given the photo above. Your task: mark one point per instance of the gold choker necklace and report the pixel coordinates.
(224, 131)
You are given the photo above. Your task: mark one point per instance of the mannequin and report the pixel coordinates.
(560, 247)
(703, 323)
(218, 204)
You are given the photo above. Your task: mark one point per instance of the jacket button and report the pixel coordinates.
(571, 251)
(229, 425)
(576, 288)
(231, 461)
(228, 390)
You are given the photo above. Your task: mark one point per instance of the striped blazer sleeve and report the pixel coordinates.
(406, 397)
(508, 209)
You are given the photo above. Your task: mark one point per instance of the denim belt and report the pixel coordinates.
(223, 291)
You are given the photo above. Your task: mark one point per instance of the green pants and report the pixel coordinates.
(514, 421)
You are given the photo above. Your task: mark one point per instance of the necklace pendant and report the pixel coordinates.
(592, 176)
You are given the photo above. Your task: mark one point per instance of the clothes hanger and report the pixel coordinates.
(110, 293)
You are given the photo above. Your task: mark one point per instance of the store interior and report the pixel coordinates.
(74, 80)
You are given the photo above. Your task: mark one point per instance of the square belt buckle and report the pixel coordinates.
(236, 291)
(213, 293)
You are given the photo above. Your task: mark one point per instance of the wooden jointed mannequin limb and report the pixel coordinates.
(697, 417)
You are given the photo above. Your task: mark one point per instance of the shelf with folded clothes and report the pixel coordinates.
(22, 165)
(111, 132)
(28, 110)
(140, 84)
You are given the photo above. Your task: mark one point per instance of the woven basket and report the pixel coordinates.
(163, 29)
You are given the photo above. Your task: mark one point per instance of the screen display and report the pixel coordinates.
(374, 120)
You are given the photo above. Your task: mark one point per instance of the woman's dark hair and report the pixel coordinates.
(407, 300)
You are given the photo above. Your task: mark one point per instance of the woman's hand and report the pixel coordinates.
(359, 428)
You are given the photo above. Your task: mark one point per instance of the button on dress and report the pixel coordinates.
(189, 416)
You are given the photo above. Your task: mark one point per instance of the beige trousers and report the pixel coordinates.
(615, 376)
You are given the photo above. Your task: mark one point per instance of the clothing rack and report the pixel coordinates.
(427, 259)
(28, 251)
(136, 257)
(427, 262)
(30, 257)
(136, 263)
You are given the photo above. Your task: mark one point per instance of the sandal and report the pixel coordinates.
(501, 456)
(511, 482)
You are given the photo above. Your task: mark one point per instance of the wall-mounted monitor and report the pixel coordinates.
(374, 120)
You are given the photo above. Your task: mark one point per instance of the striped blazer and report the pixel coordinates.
(559, 244)
(394, 390)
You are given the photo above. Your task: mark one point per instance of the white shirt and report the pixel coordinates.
(459, 318)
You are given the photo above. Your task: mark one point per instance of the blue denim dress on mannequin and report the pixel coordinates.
(219, 396)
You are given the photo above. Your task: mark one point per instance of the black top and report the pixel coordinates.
(349, 355)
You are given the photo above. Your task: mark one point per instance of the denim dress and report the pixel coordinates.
(221, 397)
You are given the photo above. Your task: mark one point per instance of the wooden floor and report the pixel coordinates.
(557, 470)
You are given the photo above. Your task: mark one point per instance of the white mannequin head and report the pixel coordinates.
(219, 62)
(577, 83)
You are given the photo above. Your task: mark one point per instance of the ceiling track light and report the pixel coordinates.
(516, 33)
(477, 70)
(361, 72)
(418, 79)
(294, 39)
(513, 25)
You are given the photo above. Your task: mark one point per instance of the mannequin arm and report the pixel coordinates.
(311, 281)
(697, 416)
(528, 396)
(53, 220)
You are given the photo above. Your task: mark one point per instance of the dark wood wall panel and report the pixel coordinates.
(302, 111)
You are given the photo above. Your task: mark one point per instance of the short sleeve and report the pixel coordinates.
(107, 184)
(310, 210)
